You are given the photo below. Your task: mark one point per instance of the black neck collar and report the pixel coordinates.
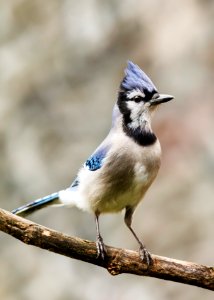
(141, 136)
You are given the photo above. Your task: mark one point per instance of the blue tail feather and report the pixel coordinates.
(36, 205)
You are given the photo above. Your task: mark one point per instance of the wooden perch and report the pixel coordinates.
(117, 261)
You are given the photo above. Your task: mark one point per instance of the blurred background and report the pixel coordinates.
(61, 63)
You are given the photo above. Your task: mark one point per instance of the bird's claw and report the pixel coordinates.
(145, 255)
(101, 249)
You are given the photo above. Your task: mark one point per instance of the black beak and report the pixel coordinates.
(161, 99)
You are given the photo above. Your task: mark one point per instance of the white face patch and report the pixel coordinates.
(136, 113)
(135, 93)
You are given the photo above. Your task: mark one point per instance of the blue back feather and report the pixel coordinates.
(95, 161)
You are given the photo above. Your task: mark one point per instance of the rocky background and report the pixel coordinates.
(60, 66)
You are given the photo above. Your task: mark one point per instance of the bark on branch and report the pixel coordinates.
(117, 261)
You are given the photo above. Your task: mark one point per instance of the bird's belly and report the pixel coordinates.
(114, 201)
(116, 204)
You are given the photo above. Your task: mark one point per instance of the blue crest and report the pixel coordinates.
(135, 78)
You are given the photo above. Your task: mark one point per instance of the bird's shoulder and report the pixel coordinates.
(95, 161)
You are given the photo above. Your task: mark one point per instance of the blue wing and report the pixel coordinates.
(94, 162)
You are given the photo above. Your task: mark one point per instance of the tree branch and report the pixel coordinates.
(117, 261)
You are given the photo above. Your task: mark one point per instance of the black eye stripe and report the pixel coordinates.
(137, 99)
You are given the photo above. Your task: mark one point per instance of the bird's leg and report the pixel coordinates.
(101, 251)
(144, 254)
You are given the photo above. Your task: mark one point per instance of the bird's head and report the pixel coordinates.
(138, 97)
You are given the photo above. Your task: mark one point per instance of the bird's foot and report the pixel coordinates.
(101, 249)
(145, 255)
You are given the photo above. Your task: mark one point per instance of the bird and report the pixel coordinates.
(118, 174)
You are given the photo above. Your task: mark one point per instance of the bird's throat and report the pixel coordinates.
(141, 134)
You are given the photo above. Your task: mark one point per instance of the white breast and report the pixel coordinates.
(123, 180)
(141, 174)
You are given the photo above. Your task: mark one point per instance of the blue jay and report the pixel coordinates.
(120, 171)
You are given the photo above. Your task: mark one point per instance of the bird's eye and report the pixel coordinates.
(137, 99)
